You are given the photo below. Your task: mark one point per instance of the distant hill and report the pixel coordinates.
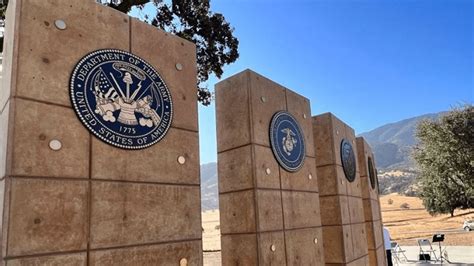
(392, 143)
(209, 188)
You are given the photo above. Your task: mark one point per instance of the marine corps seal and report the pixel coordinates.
(287, 141)
(121, 99)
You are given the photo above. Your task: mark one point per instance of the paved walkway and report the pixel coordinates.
(457, 255)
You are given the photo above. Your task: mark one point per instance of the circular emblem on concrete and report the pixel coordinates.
(348, 160)
(121, 99)
(287, 141)
(372, 175)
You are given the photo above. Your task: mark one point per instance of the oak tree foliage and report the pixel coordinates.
(194, 21)
(445, 156)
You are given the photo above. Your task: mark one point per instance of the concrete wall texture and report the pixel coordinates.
(342, 213)
(90, 203)
(268, 216)
(370, 196)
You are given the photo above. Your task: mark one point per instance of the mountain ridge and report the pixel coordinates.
(392, 143)
(408, 124)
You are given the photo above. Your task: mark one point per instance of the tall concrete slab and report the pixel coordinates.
(69, 197)
(269, 214)
(370, 197)
(342, 213)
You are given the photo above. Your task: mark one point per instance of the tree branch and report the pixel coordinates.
(126, 5)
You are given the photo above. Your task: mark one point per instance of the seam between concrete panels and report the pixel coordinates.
(58, 253)
(261, 145)
(103, 180)
(249, 106)
(9, 215)
(254, 170)
(129, 34)
(236, 191)
(49, 178)
(339, 224)
(146, 183)
(356, 197)
(277, 230)
(185, 129)
(255, 202)
(101, 249)
(238, 234)
(329, 164)
(201, 252)
(41, 101)
(281, 197)
(148, 244)
(251, 143)
(89, 202)
(16, 47)
(12, 116)
(337, 194)
(292, 190)
(332, 141)
(301, 228)
(350, 228)
(9, 166)
(5, 105)
(365, 255)
(4, 178)
(235, 148)
(271, 189)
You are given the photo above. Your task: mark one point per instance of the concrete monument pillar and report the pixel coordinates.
(342, 213)
(268, 187)
(370, 196)
(99, 154)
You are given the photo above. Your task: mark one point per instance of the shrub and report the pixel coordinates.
(390, 201)
(405, 206)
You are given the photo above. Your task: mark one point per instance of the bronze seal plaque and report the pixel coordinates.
(121, 99)
(287, 141)
(371, 170)
(348, 160)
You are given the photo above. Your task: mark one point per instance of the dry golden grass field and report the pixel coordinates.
(407, 225)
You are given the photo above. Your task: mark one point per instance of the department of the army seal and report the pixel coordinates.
(348, 160)
(287, 141)
(121, 99)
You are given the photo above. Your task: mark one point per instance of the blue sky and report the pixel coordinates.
(370, 62)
